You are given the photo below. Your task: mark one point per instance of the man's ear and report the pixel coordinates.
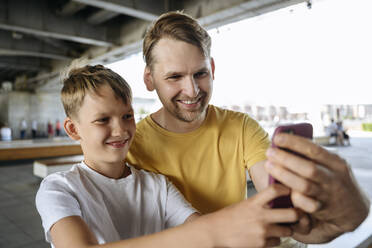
(147, 78)
(212, 67)
(70, 128)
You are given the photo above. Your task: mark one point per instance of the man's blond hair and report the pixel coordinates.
(178, 26)
(80, 81)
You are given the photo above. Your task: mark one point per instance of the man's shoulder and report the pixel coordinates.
(233, 120)
(222, 114)
(143, 124)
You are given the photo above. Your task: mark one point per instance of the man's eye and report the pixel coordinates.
(200, 74)
(174, 77)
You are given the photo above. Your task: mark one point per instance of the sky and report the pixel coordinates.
(291, 57)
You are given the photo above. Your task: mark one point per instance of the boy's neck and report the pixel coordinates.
(115, 171)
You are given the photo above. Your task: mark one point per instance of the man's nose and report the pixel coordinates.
(190, 87)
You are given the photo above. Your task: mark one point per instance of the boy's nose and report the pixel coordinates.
(119, 129)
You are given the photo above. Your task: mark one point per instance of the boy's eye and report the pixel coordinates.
(102, 120)
(127, 116)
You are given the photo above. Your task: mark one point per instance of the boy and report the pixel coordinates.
(102, 200)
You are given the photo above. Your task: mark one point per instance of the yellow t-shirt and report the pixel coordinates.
(208, 164)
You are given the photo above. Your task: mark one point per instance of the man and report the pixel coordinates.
(334, 131)
(23, 129)
(205, 150)
(34, 128)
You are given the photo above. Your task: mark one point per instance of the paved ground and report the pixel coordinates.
(20, 224)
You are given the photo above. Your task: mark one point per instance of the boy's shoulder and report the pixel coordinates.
(147, 175)
(62, 177)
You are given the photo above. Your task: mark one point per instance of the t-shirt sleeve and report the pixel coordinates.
(54, 201)
(256, 142)
(177, 208)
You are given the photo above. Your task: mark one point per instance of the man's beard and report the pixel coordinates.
(189, 115)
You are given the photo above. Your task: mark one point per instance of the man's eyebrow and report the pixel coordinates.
(172, 73)
(204, 68)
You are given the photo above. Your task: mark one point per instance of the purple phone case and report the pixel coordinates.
(301, 129)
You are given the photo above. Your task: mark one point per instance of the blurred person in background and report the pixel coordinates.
(23, 129)
(5, 132)
(34, 128)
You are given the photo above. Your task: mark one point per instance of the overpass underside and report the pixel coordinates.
(38, 38)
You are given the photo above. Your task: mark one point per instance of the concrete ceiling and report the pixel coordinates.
(38, 38)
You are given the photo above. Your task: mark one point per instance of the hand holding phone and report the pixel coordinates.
(301, 129)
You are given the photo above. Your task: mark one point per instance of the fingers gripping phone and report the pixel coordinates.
(300, 129)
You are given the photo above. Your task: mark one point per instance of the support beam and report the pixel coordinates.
(213, 18)
(59, 46)
(24, 64)
(70, 8)
(101, 16)
(34, 18)
(20, 67)
(28, 46)
(55, 35)
(8, 52)
(127, 8)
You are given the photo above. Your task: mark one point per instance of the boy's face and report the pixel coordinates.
(105, 128)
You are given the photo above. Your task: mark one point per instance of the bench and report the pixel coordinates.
(45, 167)
(324, 140)
(35, 149)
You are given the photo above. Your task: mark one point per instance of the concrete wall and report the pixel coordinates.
(45, 107)
(40, 106)
(18, 109)
(4, 107)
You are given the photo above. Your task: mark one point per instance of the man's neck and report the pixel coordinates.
(173, 124)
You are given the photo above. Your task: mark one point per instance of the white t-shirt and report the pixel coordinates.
(114, 209)
(6, 133)
(34, 125)
(23, 125)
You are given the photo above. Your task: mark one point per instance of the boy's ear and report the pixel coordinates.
(70, 128)
(147, 78)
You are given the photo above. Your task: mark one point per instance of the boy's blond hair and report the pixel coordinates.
(178, 26)
(89, 78)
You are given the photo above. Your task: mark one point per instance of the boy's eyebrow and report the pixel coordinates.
(103, 113)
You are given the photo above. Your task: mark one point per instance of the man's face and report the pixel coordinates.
(182, 78)
(105, 128)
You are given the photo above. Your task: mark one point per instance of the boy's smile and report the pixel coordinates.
(105, 128)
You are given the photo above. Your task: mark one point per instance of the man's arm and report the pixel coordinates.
(322, 185)
(246, 224)
(259, 176)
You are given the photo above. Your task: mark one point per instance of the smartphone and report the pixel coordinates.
(300, 129)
